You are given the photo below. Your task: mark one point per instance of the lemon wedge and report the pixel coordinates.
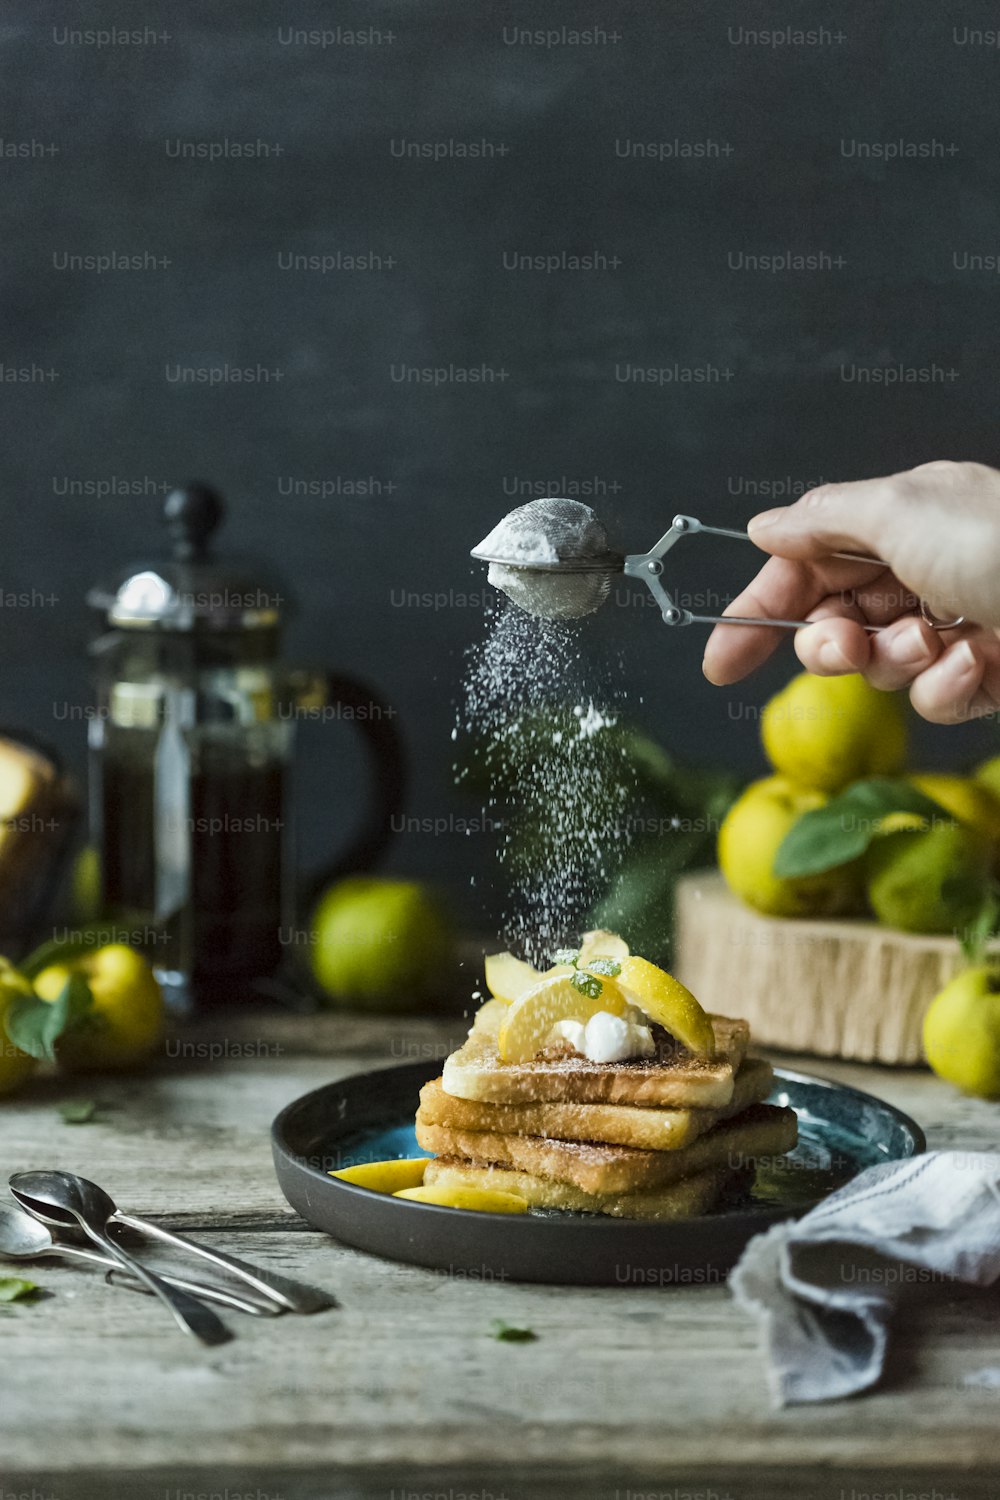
(601, 944)
(667, 1001)
(526, 1026)
(482, 1200)
(386, 1176)
(508, 977)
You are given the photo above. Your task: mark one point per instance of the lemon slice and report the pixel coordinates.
(601, 944)
(665, 1000)
(482, 1200)
(526, 1026)
(508, 977)
(386, 1176)
(489, 1016)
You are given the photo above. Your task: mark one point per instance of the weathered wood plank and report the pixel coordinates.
(403, 1383)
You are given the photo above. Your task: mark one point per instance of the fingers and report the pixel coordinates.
(782, 590)
(964, 683)
(853, 517)
(890, 659)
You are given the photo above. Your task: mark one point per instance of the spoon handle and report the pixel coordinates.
(190, 1314)
(291, 1296)
(126, 1279)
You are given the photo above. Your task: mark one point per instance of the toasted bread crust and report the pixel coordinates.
(761, 1130)
(673, 1079)
(617, 1124)
(679, 1200)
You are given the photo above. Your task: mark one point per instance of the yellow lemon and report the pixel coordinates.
(749, 839)
(962, 1032)
(126, 1022)
(601, 944)
(525, 1028)
(964, 797)
(826, 732)
(508, 977)
(987, 774)
(385, 1176)
(667, 1001)
(481, 1200)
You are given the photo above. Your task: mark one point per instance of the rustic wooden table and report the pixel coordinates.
(401, 1392)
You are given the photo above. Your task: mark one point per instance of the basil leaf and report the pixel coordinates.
(36, 1025)
(508, 1334)
(841, 831)
(587, 984)
(78, 1111)
(609, 967)
(16, 1289)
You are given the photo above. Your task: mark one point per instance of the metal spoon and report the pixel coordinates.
(23, 1237)
(288, 1295)
(64, 1200)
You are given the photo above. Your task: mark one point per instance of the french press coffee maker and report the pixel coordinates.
(191, 763)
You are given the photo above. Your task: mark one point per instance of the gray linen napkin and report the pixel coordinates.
(825, 1287)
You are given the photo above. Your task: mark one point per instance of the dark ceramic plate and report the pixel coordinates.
(369, 1117)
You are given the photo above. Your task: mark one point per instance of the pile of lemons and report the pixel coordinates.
(822, 734)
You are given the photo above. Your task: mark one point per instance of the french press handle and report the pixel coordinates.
(386, 760)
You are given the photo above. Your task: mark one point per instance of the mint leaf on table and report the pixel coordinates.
(842, 830)
(36, 1025)
(508, 1334)
(587, 984)
(15, 1289)
(609, 967)
(78, 1111)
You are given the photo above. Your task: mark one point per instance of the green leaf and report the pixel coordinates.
(36, 1025)
(78, 1111)
(983, 926)
(587, 984)
(16, 1289)
(566, 956)
(508, 1334)
(63, 950)
(609, 967)
(841, 830)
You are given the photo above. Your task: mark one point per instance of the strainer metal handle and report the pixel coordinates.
(648, 567)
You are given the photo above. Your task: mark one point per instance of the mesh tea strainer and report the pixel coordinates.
(553, 559)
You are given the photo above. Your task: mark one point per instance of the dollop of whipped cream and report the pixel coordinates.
(606, 1038)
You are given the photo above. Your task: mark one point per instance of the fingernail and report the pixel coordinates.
(909, 646)
(964, 657)
(833, 658)
(766, 518)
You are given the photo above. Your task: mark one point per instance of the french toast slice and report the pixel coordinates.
(673, 1078)
(593, 1167)
(678, 1200)
(616, 1124)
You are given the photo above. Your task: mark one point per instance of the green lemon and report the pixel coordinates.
(381, 944)
(962, 1032)
(929, 881)
(826, 732)
(749, 838)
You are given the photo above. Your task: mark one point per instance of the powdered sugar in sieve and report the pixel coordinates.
(552, 558)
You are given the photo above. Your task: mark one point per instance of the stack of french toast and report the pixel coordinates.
(600, 1086)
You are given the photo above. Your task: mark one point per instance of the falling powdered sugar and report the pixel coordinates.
(542, 754)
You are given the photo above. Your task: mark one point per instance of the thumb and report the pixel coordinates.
(861, 516)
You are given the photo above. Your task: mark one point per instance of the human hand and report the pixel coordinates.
(938, 528)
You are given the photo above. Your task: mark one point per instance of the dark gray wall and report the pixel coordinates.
(889, 293)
